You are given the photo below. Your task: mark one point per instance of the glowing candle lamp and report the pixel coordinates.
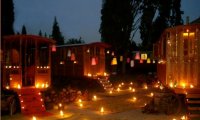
(145, 87)
(81, 105)
(122, 83)
(18, 86)
(34, 118)
(151, 94)
(131, 83)
(7, 87)
(60, 104)
(79, 100)
(133, 90)
(95, 97)
(102, 110)
(119, 85)
(191, 86)
(134, 99)
(110, 92)
(183, 118)
(130, 88)
(61, 113)
(118, 89)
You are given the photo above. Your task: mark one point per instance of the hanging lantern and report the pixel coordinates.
(114, 61)
(148, 60)
(154, 61)
(93, 61)
(132, 63)
(137, 56)
(121, 58)
(113, 54)
(69, 53)
(72, 57)
(128, 60)
(53, 49)
(141, 61)
(144, 56)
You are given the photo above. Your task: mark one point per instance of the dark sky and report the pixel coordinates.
(76, 18)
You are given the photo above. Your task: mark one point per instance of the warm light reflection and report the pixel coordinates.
(7, 87)
(79, 100)
(110, 92)
(19, 86)
(89, 75)
(130, 88)
(60, 104)
(191, 86)
(95, 97)
(81, 105)
(118, 89)
(134, 99)
(133, 90)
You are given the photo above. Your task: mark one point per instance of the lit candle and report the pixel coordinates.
(79, 100)
(131, 83)
(110, 92)
(134, 99)
(118, 89)
(34, 118)
(102, 110)
(81, 105)
(130, 88)
(133, 90)
(60, 104)
(94, 97)
(151, 94)
(191, 86)
(61, 113)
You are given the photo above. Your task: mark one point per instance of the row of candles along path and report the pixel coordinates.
(134, 99)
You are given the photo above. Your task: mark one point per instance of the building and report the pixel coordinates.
(79, 60)
(178, 55)
(25, 61)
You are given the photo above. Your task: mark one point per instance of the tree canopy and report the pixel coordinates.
(56, 34)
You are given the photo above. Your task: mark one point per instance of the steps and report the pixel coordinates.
(107, 85)
(193, 105)
(31, 101)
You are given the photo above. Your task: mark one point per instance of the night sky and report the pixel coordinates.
(76, 18)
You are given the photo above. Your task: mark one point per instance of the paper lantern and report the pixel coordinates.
(132, 63)
(137, 56)
(114, 61)
(144, 56)
(148, 60)
(93, 62)
(128, 60)
(73, 57)
(53, 49)
(69, 53)
(121, 58)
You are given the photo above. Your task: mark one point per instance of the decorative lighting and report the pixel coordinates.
(114, 61)
(134, 99)
(62, 62)
(118, 89)
(110, 92)
(69, 53)
(34, 118)
(113, 54)
(141, 61)
(53, 48)
(89, 75)
(130, 88)
(79, 100)
(137, 56)
(102, 110)
(128, 60)
(81, 105)
(121, 58)
(151, 94)
(19, 86)
(191, 86)
(133, 90)
(144, 56)
(132, 63)
(108, 52)
(131, 83)
(93, 61)
(60, 105)
(7, 87)
(154, 61)
(61, 113)
(148, 60)
(95, 97)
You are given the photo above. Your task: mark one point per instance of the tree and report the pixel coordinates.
(56, 34)
(152, 25)
(117, 24)
(24, 30)
(75, 41)
(7, 17)
(40, 33)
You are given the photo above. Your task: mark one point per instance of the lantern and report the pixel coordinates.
(72, 57)
(128, 60)
(132, 63)
(148, 60)
(93, 61)
(144, 56)
(114, 61)
(121, 58)
(69, 53)
(53, 48)
(113, 54)
(137, 56)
